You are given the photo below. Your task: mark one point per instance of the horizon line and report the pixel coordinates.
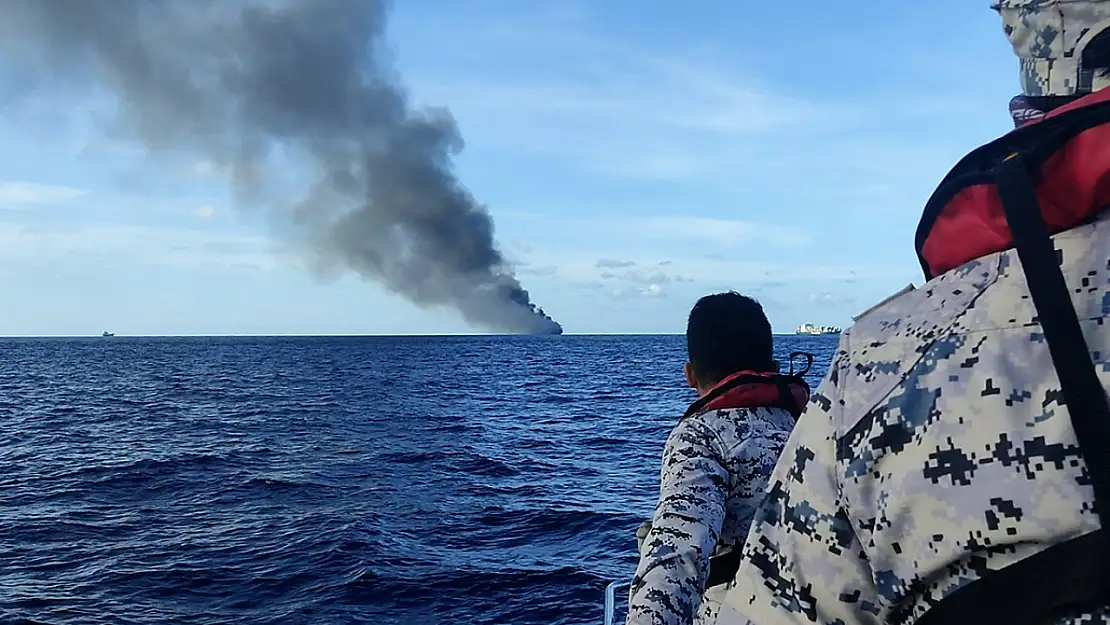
(343, 335)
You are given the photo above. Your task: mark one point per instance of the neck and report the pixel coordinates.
(703, 388)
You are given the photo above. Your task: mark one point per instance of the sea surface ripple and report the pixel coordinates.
(331, 480)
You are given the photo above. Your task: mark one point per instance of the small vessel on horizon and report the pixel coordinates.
(815, 330)
(107, 334)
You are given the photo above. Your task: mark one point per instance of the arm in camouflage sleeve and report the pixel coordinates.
(803, 561)
(674, 559)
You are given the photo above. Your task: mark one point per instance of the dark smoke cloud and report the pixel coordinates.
(257, 86)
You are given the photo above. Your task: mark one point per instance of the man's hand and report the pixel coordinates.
(641, 534)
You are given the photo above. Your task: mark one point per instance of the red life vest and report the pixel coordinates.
(750, 389)
(964, 219)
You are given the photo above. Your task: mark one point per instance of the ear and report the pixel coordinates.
(688, 371)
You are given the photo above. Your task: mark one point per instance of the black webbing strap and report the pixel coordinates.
(722, 568)
(1073, 575)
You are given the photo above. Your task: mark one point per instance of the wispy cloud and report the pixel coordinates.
(25, 194)
(129, 244)
(651, 291)
(652, 275)
(687, 113)
(609, 263)
(546, 270)
(831, 299)
(720, 232)
(663, 93)
(204, 169)
(616, 108)
(621, 239)
(580, 268)
(590, 285)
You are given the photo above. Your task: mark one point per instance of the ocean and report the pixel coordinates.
(383, 480)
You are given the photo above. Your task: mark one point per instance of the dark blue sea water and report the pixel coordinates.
(330, 480)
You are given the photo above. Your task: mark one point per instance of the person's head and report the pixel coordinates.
(1063, 46)
(726, 333)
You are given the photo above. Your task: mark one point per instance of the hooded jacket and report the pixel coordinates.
(940, 452)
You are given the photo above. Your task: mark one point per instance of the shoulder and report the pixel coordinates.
(886, 340)
(744, 431)
(701, 430)
(888, 300)
(909, 313)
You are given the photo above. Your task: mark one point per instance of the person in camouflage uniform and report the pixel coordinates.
(938, 451)
(715, 462)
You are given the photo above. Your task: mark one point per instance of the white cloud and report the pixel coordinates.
(686, 112)
(128, 244)
(619, 109)
(609, 263)
(831, 299)
(203, 169)
(674, 89)
(650, 291)
(18, 194)
(648, 127)
(620, 240)
(652, 275)
(647, 280)
(547, 270)
(580, 268)
(723, 232)
(649, 275)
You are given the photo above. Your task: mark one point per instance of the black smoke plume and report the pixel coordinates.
(267, 89)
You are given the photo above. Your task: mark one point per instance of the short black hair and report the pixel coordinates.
(728, 332)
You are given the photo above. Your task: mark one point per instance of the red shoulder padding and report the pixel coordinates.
(1073, 186)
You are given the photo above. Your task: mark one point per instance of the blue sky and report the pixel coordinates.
(634, 156)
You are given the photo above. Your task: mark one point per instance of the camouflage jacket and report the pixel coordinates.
(935, 448)
(715, 467)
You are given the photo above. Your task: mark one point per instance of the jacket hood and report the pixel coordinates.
(1049, 37)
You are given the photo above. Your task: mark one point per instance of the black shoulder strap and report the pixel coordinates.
(722, 568)
(1076, 573)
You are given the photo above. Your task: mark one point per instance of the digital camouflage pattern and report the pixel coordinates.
(935, 448)
(1048, 37)
(715, 468)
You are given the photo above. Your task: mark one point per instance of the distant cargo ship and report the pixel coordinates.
(809, 328)
(107, 334)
